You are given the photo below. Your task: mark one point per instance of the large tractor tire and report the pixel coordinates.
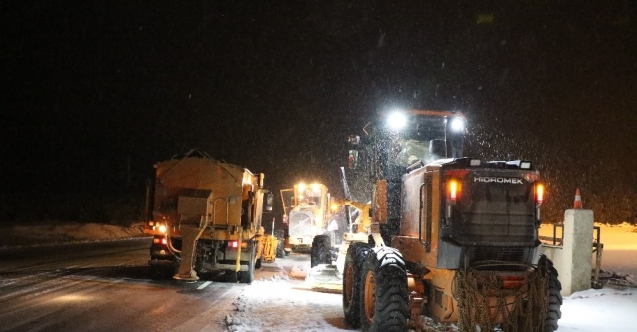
(356, 254)
(384, 292)
(280, 247)
(247, 277)
(554, 312)
(320, 253)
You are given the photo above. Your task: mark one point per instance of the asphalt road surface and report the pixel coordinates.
(105, 286)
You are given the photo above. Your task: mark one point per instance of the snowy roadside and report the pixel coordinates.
(283, 302)
(286, 305)
(56, 233)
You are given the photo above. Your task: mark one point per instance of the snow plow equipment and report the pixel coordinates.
(452, 238)
(306, 207)
(268, 246)
(330, 276)
(205, 217)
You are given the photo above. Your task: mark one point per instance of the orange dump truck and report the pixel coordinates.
(205, 216)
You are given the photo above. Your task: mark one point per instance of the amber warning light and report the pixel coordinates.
(453, 188)
(539, 193)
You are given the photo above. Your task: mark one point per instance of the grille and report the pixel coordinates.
(503, 254)
(300, 223)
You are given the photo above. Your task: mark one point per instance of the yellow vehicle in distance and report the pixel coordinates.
(306, 208)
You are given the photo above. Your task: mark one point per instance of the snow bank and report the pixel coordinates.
(57, 233)
(299, 272)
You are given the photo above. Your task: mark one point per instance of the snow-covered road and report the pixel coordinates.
(278, 301)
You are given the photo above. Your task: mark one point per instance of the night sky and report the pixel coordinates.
(95, 92)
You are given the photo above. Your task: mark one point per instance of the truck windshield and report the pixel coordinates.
(311, 197)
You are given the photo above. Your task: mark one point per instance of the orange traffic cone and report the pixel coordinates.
(578, 200)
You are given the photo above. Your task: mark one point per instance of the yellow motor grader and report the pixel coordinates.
(306, 207)
(452, 238)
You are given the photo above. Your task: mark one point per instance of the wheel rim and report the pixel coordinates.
(349, 283)
(370, 291)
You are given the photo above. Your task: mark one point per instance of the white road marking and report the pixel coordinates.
(204, 285)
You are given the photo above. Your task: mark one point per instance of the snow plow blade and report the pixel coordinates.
(325, 278)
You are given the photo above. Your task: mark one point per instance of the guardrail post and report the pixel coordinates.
(575, 274)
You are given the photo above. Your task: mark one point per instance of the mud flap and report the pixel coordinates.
(190, 236)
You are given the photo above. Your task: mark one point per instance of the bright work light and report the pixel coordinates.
(396, 121)
(457, 124)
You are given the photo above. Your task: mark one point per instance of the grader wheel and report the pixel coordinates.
(356, 254)
(384, 293)
(320, 252)
(554, 312)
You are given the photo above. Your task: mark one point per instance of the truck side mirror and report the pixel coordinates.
(269, 202)
(354, 139)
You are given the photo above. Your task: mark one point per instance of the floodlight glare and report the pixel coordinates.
(457, 124)
(396, 121)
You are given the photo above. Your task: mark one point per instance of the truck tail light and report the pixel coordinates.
(233, 244)
(513, 282)
(539, 193)
(160, 240)
(453, 190)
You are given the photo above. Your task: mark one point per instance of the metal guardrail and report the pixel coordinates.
(598, 248)
(555, 240)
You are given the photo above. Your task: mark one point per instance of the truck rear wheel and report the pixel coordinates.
(384, 292)
(320, 252)
(356, 254)
(554, 311)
